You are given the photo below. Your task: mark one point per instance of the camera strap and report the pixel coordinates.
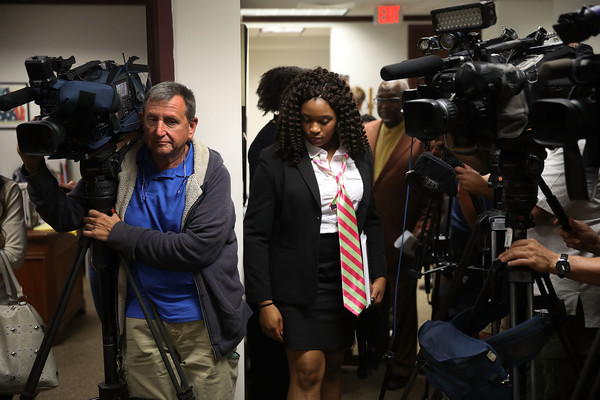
(574, 165)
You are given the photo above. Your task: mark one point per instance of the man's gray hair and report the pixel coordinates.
(165, 91)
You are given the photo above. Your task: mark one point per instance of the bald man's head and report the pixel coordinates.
(389, 101)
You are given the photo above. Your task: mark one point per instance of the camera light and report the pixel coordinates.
(473, 16)
(428, 44)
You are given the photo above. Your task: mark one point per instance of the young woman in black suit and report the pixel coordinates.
(291, 243)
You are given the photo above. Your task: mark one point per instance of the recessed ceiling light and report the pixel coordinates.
(282, 29)
(293, 12)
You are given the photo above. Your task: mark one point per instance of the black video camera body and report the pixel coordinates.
(82, 108)
(482, 93)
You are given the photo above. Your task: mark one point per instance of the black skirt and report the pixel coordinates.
(325, 324)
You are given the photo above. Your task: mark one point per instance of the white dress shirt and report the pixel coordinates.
(328, 186)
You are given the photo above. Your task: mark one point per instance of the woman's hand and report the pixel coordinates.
(378, 290)
(271, 322)
(98, 225)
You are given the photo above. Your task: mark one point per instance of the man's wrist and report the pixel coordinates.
(562, 266)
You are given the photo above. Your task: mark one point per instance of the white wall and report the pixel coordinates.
(86, 32)
(360, 50)
(207, 55)
(266, 52)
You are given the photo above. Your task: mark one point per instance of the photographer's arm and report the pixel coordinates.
(61, 211)
(473, 182)
(201, 240)
(581, 237)
(530, 253)
(31, 163)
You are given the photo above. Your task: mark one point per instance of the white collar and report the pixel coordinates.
(314, 151)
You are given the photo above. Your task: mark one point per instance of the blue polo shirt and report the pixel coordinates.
(157, 203)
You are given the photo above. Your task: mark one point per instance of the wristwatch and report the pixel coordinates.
(562, 266)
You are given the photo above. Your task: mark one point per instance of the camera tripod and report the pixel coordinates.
(100, 173)
(510, 210)
(432, 226)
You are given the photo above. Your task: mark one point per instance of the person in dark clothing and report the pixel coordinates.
(268, 375)
(310, 201)
(270, 88)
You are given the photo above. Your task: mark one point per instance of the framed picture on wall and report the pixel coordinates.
(11, 118)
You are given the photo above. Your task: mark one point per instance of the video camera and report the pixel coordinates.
(503, 98)
(482, 92)
(563, 120)
(82, 108)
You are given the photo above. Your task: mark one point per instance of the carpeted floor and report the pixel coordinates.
(79, 357)
(81, 366)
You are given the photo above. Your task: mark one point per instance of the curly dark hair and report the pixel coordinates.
(319, 83)
(272, 85)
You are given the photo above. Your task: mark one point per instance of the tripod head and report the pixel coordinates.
(516, 171)
(100, 173)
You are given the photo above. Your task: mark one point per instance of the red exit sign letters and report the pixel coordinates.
(388, 14)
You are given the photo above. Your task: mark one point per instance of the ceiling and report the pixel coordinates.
(356, 7)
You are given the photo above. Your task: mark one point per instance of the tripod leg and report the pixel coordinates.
(105, 262)
(183, 389)
(443, 310)
(52, 328)
(413, 273)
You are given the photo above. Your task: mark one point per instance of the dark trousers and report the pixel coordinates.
(268, 373)
(555, 378)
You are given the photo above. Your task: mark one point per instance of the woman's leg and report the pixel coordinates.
(307, 369)
(332, 381)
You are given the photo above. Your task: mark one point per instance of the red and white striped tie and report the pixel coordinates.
(353, 280)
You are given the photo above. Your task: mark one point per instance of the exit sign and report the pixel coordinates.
(388, 14)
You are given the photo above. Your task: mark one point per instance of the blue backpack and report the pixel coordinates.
(467, 368)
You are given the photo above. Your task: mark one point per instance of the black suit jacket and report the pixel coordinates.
(282, 229)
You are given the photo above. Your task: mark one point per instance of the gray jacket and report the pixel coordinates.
(206, 245)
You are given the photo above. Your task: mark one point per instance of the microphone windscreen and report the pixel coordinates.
(412, 68)
(16, 98)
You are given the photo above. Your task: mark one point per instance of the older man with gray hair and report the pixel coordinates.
(174, 227)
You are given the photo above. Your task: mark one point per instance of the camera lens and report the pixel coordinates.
(448, 41)
(40, 138)
(426, 119)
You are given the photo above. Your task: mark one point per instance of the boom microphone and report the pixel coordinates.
(422, 66)
(15, 99)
